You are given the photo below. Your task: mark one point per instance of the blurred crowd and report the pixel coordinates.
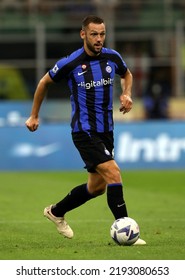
(134, 7)
(150, 59)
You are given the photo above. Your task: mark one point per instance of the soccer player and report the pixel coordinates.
(90, 72)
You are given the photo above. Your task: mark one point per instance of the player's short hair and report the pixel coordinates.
(91, 19)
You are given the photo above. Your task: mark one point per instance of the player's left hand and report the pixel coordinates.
(126, 103)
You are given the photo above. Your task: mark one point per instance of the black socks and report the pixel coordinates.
(78, 196)
(116, 201)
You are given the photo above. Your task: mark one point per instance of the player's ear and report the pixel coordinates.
(82, 34)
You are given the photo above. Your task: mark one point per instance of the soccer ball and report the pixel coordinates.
(125, 231)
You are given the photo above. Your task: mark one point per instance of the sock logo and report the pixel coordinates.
(120, 205)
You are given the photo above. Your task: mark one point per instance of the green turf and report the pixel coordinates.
(155, 199)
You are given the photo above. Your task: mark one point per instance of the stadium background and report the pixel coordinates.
(150, 36)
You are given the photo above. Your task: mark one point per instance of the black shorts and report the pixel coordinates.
(94, 147)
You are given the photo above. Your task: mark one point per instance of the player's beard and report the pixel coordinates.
(92, 48)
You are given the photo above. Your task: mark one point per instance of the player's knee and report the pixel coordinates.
(110, 171)
(98, 190)
(113, 174)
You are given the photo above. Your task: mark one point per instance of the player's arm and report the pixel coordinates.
(32, 122)
(126, 96)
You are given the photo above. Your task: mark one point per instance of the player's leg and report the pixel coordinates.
(110, 172)
(80, 194)
(75, 198)
(96, 184)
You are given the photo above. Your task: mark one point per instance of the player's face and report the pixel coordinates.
(94, 37)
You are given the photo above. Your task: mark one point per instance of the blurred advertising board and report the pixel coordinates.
(139, 145)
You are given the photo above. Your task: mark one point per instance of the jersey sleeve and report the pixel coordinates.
(60, 70)
(121, 66)
(65, 65)
(119, 63)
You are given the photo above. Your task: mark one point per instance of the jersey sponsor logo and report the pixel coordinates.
(91, 84)
(81, 73)
(55, 69)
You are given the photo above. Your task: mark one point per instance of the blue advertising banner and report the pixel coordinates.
(150, 145)
(139, 145)
(49, 148)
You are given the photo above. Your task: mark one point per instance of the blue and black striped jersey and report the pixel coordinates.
(90, 80)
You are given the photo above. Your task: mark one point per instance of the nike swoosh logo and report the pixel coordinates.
(46, 150)
(81, 73)
(28, 149)
(119, 205)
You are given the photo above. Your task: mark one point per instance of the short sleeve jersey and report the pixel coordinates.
(90, 80)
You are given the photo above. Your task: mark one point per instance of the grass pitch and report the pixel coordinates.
(155, 199)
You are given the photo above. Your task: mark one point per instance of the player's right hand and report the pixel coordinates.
(32, 123)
